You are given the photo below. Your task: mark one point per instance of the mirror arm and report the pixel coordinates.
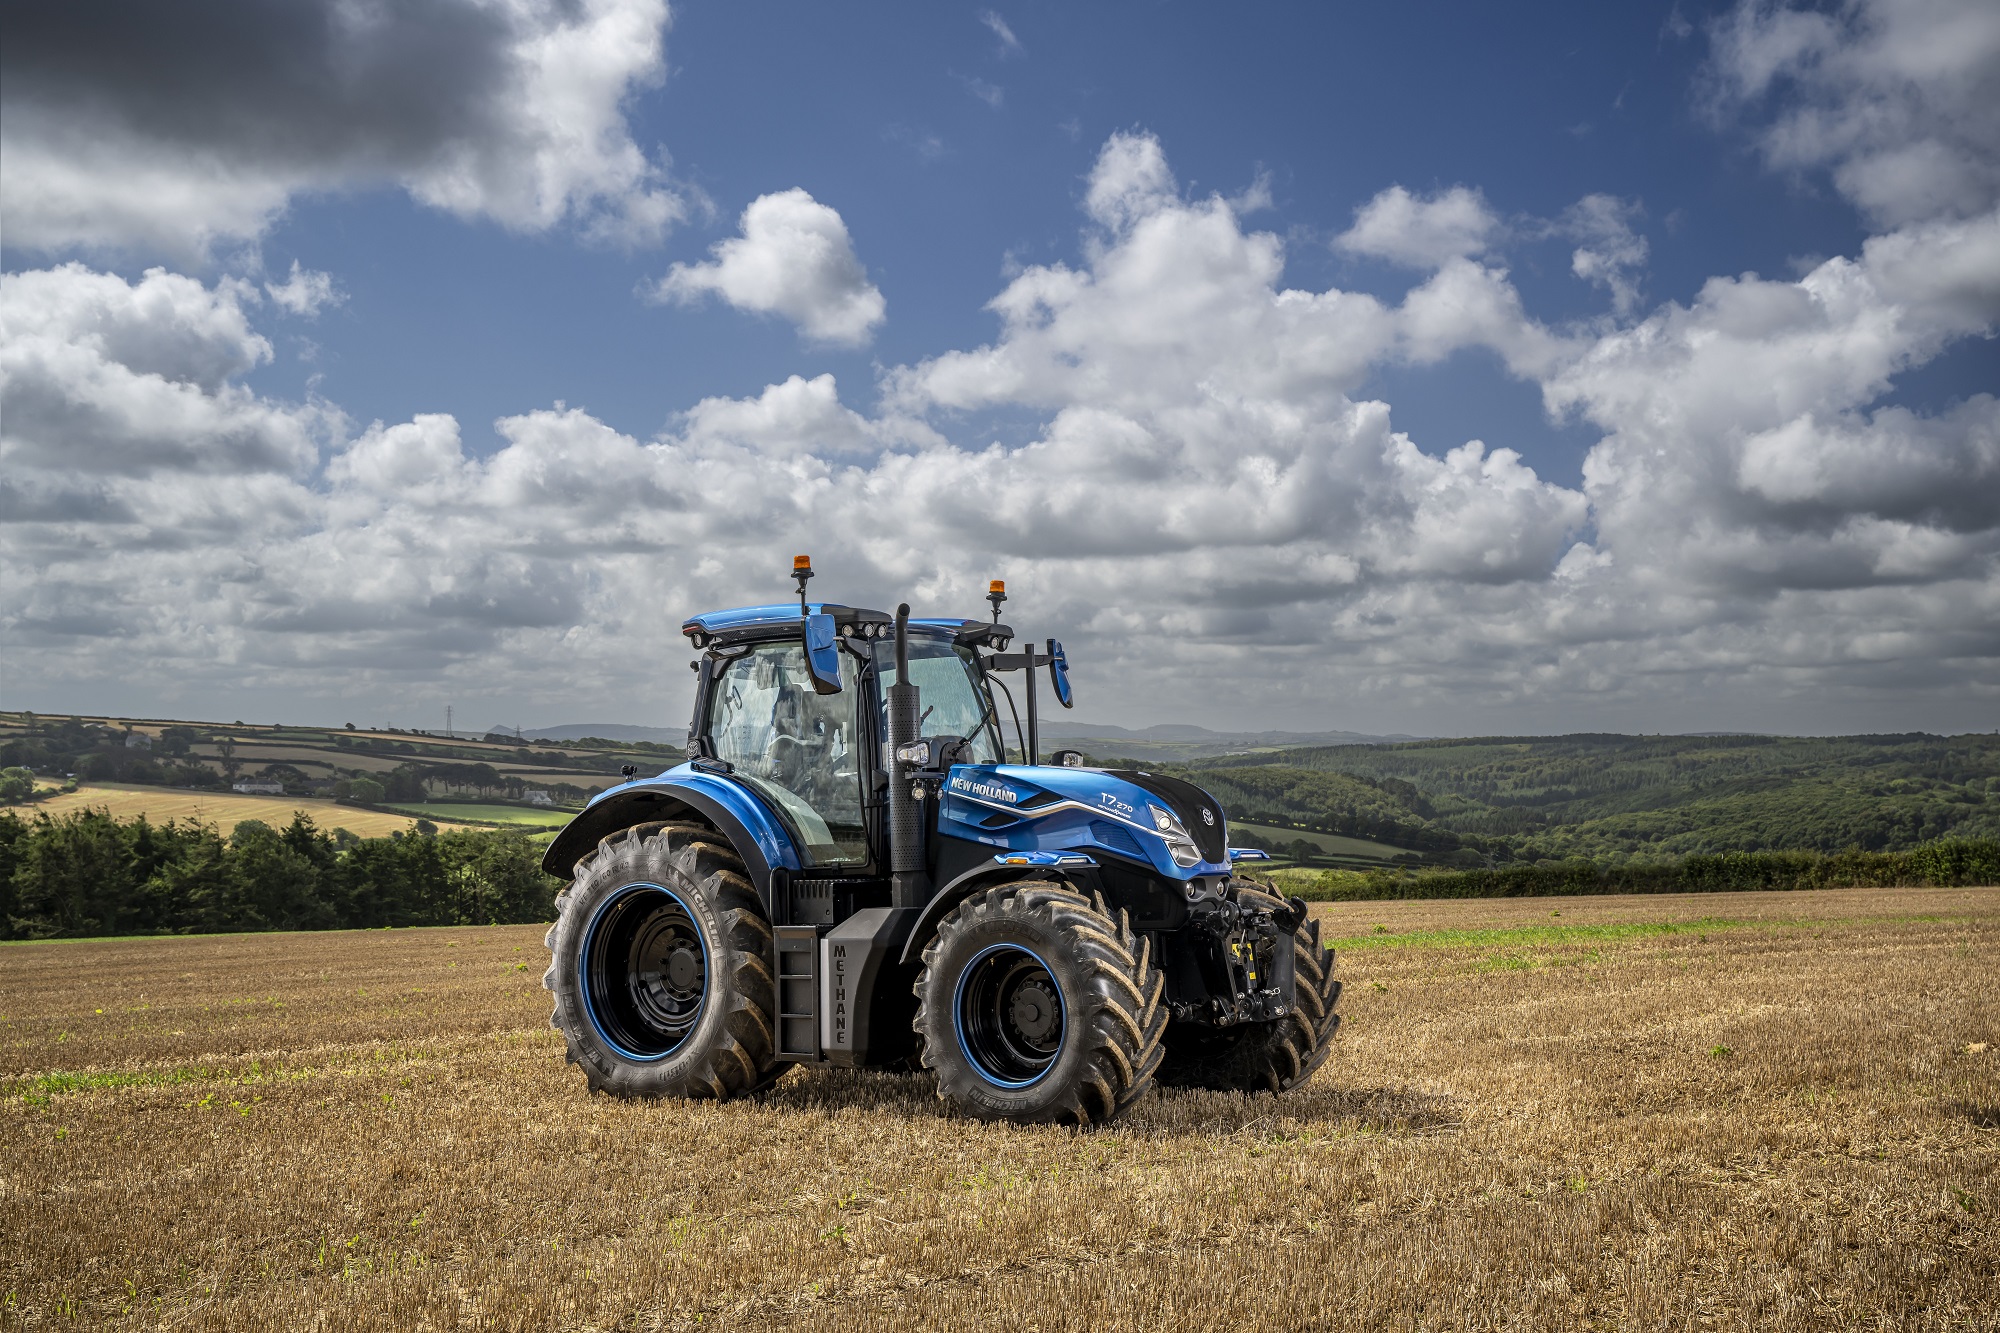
(1020, 736)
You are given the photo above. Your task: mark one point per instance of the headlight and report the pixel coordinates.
(1179, 845)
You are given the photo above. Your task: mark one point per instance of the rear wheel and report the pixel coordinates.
(657, 964)
(1035, 1005)
(1264, 1057)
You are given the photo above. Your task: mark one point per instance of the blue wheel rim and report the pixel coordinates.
(1010, 1016)
(643, 972)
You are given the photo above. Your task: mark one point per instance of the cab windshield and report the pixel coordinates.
(951, 698)
(796, 748)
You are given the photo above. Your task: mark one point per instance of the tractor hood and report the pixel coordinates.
(1093, 810)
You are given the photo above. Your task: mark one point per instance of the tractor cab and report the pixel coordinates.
(911, 879)
(815, 746)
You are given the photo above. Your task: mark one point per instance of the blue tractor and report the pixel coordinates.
(849, 871)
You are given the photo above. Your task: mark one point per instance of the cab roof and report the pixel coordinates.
(749, 619)
(759, 622)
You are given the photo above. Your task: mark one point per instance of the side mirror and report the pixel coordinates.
(1059, 674)
(1067, 759)
(822, 654)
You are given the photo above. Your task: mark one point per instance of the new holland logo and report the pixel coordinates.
(986, 791)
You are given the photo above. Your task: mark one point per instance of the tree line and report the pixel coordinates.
(1943, 864)
(85, 873)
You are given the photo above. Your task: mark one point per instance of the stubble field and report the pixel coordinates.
(223, 809)
(1745, 1110)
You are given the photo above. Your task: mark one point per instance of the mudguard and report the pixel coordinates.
(679, 793)
(1002, 869)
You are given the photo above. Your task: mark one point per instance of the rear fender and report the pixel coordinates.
(681, 793)
(1070, 867)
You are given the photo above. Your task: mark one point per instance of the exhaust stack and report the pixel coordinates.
(910, 886)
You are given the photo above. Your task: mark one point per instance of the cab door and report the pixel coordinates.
(800, 751)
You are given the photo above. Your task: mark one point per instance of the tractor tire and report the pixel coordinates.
(658, 964)
(1263, 1057)
(1036, 1005)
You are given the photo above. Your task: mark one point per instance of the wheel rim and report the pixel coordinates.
(1010, 1015)
(644, 969)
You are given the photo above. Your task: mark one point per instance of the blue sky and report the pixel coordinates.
(1652, 535)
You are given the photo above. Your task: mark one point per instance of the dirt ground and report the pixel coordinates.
(1712, 1111)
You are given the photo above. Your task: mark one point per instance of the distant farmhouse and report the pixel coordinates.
(259, 788)
(538, 798)
(138, 740)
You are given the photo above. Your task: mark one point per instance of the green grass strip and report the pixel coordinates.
(1551, 936)
(36, 1091)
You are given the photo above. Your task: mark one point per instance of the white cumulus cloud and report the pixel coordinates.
(305, 292)
(1202, 474)
(1611, 253)
(794, 258)
(1421, 232)
(1741, 455)
(173, 128)
(1899, 99)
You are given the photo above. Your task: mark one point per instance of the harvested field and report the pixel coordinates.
(223, 809)
(253, 756)
(490, 812)
(1745, 1110)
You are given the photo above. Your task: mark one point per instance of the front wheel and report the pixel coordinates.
(1035, 1005)
(657, 964)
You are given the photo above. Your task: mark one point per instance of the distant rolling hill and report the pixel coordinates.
(609, 731)
(1172, 742)
(1609, 797)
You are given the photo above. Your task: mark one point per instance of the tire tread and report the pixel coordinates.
(740, 1060)
(1123, 1027)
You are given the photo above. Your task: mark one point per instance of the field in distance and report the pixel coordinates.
(476, 812)
(1712, 1111)
(223, 809)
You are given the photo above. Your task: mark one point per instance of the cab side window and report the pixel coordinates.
(796, 748)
